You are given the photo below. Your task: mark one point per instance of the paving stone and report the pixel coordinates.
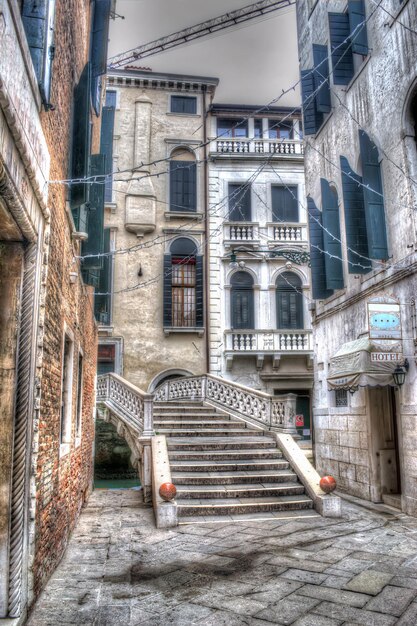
(392, 600)
(334, 595)
(286, 611)
(304, 576)
(369, 581)
(336, 582)
(113, 616)
(353, 615)
(402, 581)
(409, 618)
(317, 620)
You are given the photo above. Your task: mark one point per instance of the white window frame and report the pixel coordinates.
(79, 398)
(66, 392)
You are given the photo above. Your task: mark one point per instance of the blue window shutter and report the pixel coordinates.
(102, 304)
(341, 49)
(99, 45)
(242, 309)
(106, 147)
(321, 79)
(239, 202)
(81, 138)
(95, 242)
(284, 204)
(331, 237)
(199, 291)
(38, 17)
(167, 297)
(312, 118)
(355, 222)
(357, 17)
(374, 201)
(183, 181)
(289, 301)
(318, 269)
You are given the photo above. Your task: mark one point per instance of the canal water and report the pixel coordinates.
(117, 483)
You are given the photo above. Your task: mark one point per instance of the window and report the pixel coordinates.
(103, 295)
(66, 390)
(242, 301)
(229, 128)
(341, 398)
(183, 285)
(284, 203)
(257, 129)
(239, 202)
(183, 181)
(289, 301)
(79, 395)
(106, 358)
(111, 98)
(184, 104)
(280, 130)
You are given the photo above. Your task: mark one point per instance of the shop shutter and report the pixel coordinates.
(106, 148)
(355, 222)
(38, 17)
(312, 118)
(321, 79)
(167, 298)
(81, 138)
(239, 202)
(95, 242)
(374, 202)
(318, 269)
(284, 203)
(357, 22)
(331, 237)
(199, 291)
(341, 49)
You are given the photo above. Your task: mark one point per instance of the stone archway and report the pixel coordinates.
(117, 453)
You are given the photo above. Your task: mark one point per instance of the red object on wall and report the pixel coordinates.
(167, 491)
(327, 484)
(299, 420)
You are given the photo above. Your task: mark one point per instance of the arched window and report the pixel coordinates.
(183, 285)
(289, 301)
(183, 181)
(242, 305)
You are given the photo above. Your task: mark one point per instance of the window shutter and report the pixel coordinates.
(167, 298)
(190, 182)
(357, 17)
(102, 304)
(95, 242)
(81, 138)
(239, 202)
(321, 79)
(99, 44)
(355, 223)
(374, 202)
(312, 118)
(242, 309)
(38, 17)
(341, 49)
(106, 148)
(183, 181)
(318, 269)
(199, 291)
(284, 204)
(331, 237)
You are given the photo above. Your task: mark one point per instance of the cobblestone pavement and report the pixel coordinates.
(120, 570)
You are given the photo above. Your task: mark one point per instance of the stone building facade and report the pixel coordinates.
(359, 83)
(260, 328)
(49, 335)
(151, 310)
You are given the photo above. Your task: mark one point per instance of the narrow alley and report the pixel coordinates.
(120, 570)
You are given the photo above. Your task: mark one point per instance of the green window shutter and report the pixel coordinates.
(95, 242)
(357, 22)
(321, 79)
(318, 269)
(355, 222)
(341, 49)
(331, 237)
(289, 302)
(313, 119)
(239, 202)
(81, 138)
(183, 104)
(284, 203)
(199, 291)
(183, 181)
(99, 45)
(242, 309)
(80, 217)
(102, 303)
(106, 147)
(167, 297)
(374, 201)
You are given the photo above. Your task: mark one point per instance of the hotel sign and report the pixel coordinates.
(384, 319)
(378, 357)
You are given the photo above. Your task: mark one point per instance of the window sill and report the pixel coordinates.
(182, 215)
(183, 114)
(78, 441)
(198, 330)
(64, 449)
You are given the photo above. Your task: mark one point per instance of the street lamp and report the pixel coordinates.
(399, 373)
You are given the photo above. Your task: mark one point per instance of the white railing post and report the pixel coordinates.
(203, 387)
(148, 430)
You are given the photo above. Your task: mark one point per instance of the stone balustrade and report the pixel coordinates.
(272, 341)
(283, 147)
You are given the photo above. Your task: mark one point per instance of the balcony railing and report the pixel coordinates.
(258, 146)
(288, 232)
(245, 232)
(268, 341)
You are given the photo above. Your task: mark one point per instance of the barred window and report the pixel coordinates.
(341, 397)
(183, 291)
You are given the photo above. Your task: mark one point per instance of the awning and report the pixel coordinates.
(351, 367)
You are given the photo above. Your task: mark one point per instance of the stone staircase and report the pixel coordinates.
(224, 468)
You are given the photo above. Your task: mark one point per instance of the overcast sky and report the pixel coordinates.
(254, 62)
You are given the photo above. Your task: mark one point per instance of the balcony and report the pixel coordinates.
(283, 232)
(261, 343)
(252, 234)
(241, 232)
(280, 147)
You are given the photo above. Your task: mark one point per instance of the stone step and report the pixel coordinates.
(187, 424)
(224, 455)
(239, 491)
(300, 514)
(182, 410)
(193, 417)
(229, 506)
(228, 466)
(205, 432)
(218, 443)
(235, 478)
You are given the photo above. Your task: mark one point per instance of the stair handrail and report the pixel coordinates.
(253, 406)
(129, 402)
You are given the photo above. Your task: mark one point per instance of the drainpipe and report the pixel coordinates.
(206, 234)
